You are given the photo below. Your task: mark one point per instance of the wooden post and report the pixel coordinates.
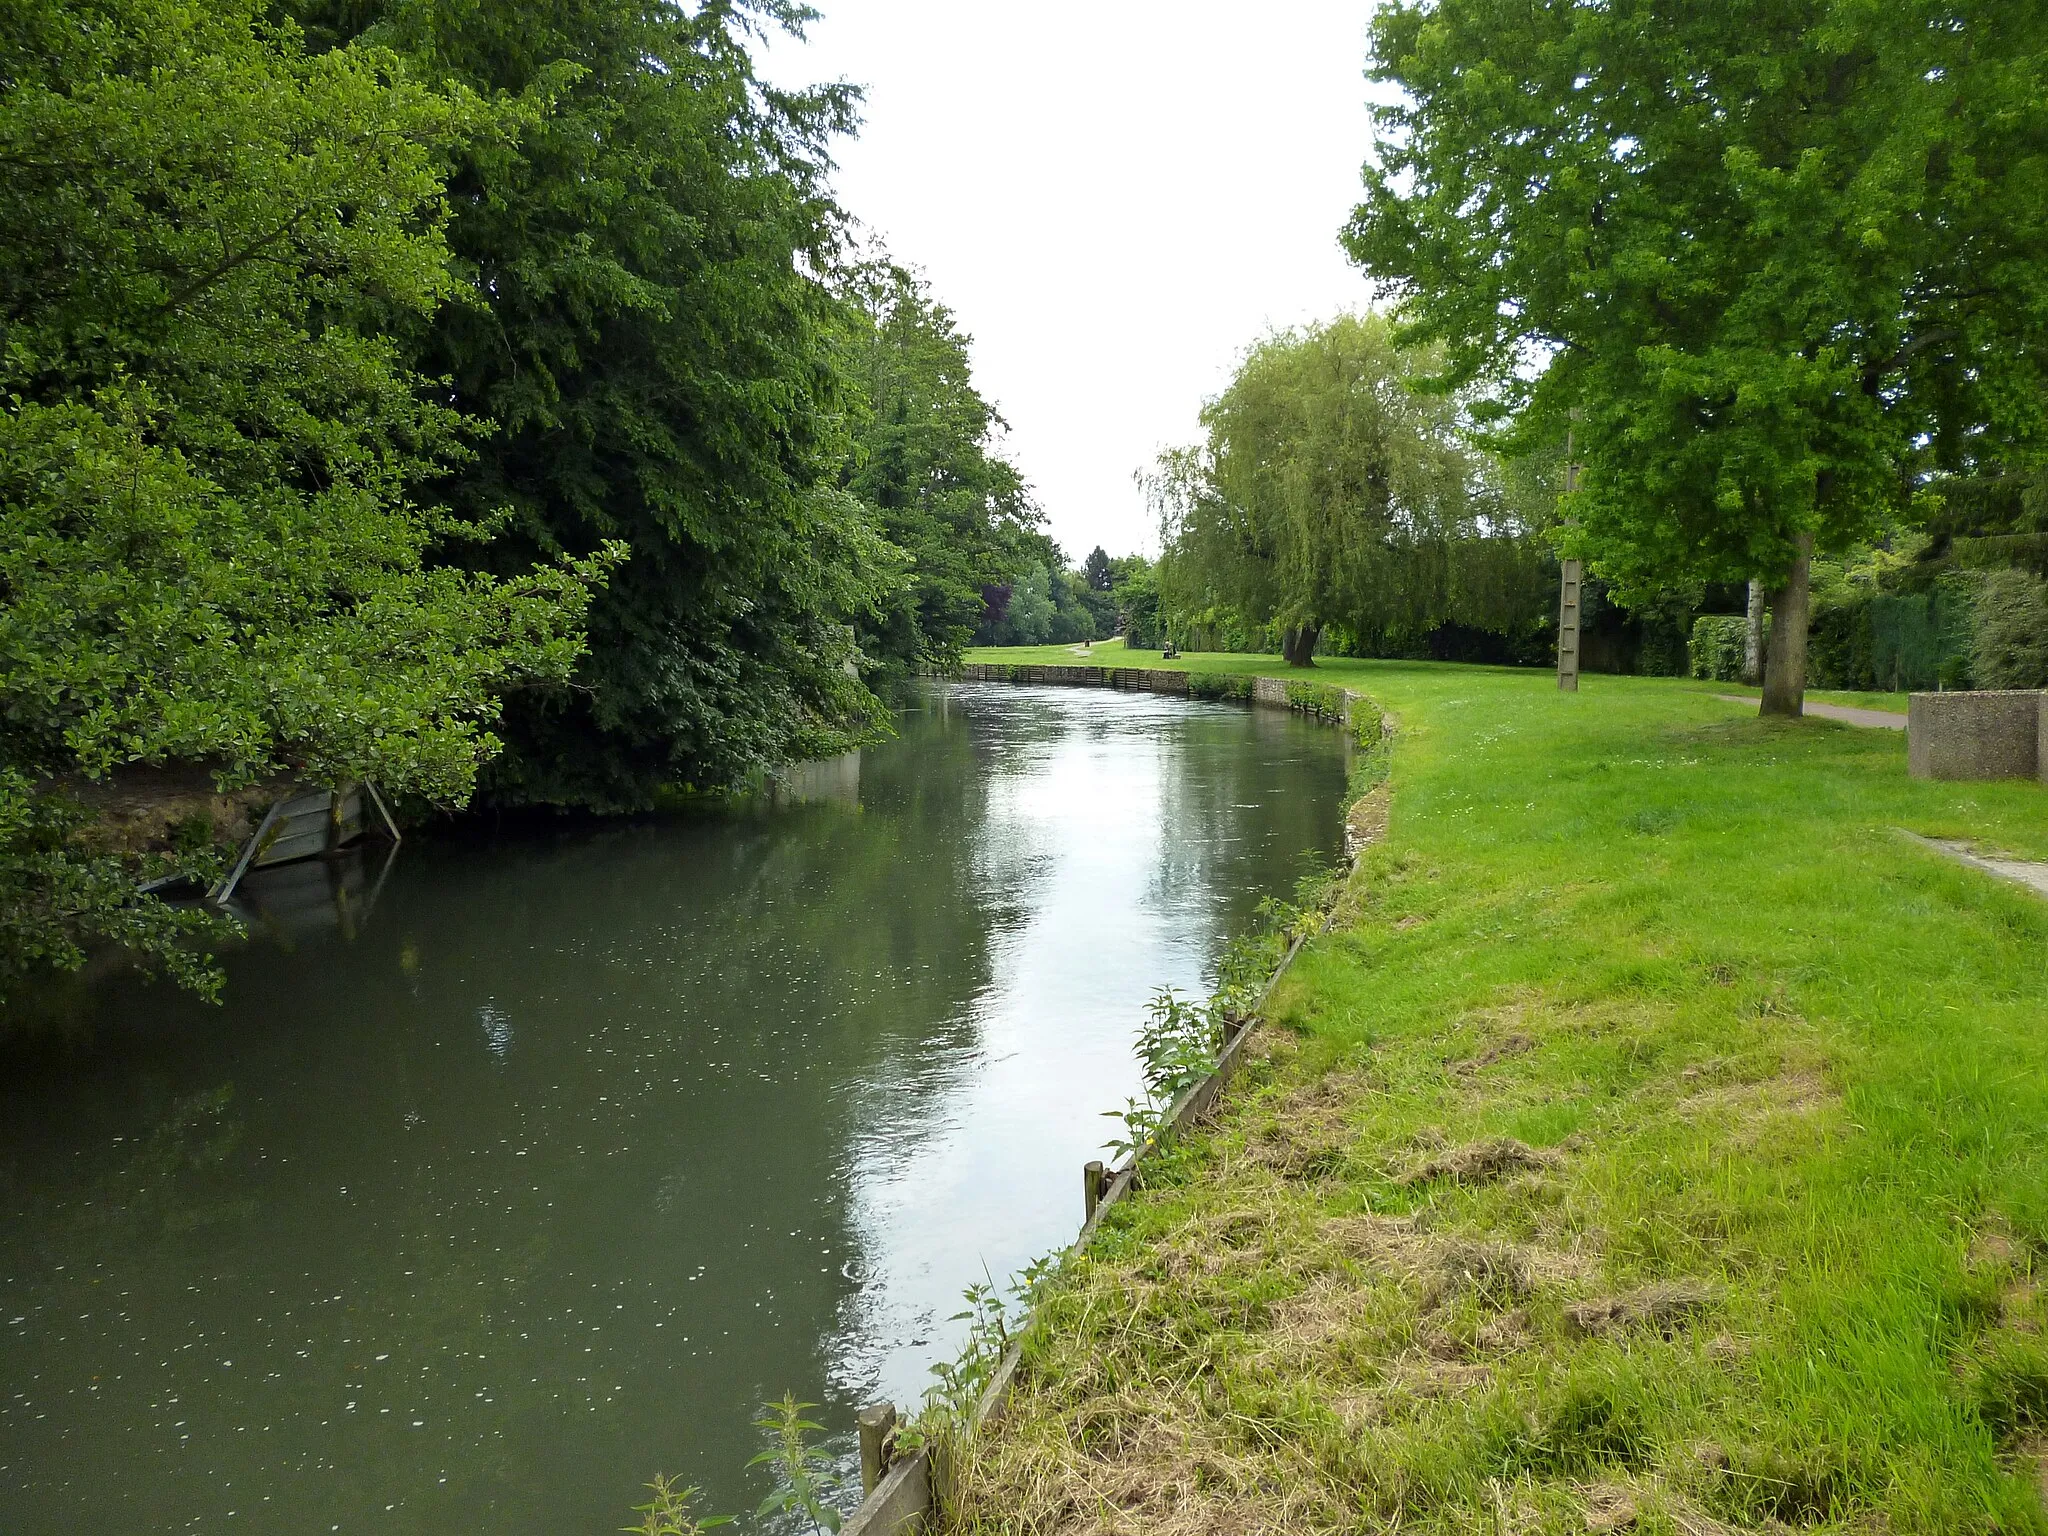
(1091, 1190)
(1568, 628)
(383, 811)
(337, 809)
(1568, 596)
(877, 1422)
(225, 887)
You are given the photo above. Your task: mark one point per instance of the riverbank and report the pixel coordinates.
(1111, 653)
(1659, 1141)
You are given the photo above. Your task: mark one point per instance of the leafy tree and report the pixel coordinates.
(1103, 610)
(1332, 488)
(1137, 594)
(926, 463)
(1097, 570)
(1028, 617)
(1073, 618)
(1781, 257)
(653, 330)
(209, 551)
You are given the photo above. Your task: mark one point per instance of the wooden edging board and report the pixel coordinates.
(905, 1495)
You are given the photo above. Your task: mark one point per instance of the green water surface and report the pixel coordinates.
(519, 1167)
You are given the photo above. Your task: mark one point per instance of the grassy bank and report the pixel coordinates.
(1658, 1141)
(1111, 653)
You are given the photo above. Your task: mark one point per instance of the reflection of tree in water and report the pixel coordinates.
(170, 1178)
(571, 1108)
(1230, 810)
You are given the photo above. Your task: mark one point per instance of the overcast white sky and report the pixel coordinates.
(1115, 197)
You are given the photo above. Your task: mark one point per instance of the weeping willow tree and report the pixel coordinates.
(1333, 491)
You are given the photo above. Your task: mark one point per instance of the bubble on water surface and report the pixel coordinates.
(497, 1028)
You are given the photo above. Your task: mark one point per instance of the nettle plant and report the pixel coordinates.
(807, 1483)
(1178, 1046)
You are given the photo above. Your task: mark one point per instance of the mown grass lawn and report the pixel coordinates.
(1657, 1141)
(1111, 653)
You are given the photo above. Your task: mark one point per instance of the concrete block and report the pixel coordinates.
(1978, 735)
(1270, 690)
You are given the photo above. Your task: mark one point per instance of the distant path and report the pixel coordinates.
(1876, 719)
(2027, 872)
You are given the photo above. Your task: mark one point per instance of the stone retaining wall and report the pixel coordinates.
(1270, 691)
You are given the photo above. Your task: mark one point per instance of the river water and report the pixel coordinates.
(516, 1169)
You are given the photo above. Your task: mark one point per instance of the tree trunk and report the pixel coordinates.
(1785, 666)
(1753, 639)
(1298, 644)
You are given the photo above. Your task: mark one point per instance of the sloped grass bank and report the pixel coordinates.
(1657, 1142)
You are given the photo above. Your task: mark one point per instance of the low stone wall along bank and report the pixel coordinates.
(1325, 701)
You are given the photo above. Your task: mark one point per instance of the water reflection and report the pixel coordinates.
(569, 1148)
(336, 893)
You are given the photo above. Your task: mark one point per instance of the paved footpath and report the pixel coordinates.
(2028, 872)
(1876, 719)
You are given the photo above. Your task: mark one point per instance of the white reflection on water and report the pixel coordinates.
(497, 1028)
(1097, 845)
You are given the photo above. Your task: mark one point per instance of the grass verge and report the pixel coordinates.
(1111, 653)
(1658, 1142)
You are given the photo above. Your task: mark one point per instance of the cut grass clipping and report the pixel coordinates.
(1659, 1143)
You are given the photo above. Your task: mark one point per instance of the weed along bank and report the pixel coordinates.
(1644, 1136)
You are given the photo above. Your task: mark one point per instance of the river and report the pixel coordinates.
(532, 1163)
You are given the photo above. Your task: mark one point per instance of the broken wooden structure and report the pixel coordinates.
(307, 824)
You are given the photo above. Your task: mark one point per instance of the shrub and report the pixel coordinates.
(1895, 641)
(1661, 643)
(1318, 699)
(1218, 685)
(2009, 642)
(1718, 642)
(1367, 723)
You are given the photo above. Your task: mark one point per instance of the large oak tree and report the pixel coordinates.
(1782, 256)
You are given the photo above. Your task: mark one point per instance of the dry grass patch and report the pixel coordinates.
(1663, 1307)
(1305, 1132)
(1481, 1162)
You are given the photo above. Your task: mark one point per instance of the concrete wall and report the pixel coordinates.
(1980, 735)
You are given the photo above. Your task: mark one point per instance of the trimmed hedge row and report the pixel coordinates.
(1717, 646)
(1219, 685)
